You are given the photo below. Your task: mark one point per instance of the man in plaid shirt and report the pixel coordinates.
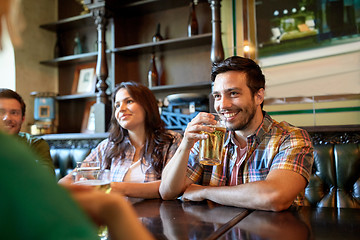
(267, 164)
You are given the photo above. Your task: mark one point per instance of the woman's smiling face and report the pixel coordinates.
(129, 114)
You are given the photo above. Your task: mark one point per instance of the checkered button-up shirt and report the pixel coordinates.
(120, 166)
(274, 145)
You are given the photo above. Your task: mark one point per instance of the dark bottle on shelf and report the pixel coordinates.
(193, 27)
(153, 75)
(58, 49)
(157, 36)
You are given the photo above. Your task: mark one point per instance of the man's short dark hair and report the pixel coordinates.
(255, 77)
(8, 93)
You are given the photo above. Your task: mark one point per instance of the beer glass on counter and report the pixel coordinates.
(90, 175)
(99, 179)
(211, 148)
(87, 166)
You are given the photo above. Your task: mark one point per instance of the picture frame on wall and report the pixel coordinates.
(88, 122)
(44, 111)
(84, 79)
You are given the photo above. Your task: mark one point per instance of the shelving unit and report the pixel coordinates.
(71, 59)
(183, 62)
(165, 45)
(69, 23)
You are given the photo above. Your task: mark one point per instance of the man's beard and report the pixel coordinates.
(249, 114)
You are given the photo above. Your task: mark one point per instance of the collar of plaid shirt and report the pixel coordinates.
(231, 168)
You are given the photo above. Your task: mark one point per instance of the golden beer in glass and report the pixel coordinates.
(211, 148)
(100, 180)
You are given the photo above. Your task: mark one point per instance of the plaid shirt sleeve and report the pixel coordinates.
(97, 154)
(194, 169)
(295, 152)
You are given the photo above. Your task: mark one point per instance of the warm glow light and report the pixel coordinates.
(246, 48)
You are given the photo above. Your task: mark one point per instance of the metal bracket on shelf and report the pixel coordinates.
(177, 121)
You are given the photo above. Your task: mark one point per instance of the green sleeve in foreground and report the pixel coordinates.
(32, 205)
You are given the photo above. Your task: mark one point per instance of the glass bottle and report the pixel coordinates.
(58, 50)
(153, 76)
(77, 45)
(193, 27)
(157, 36)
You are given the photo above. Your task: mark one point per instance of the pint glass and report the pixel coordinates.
(211, 148)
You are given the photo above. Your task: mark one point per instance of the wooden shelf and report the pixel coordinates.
(76, 136)
(69, 23)
(92, 56)
(149, 47)
(71, 59)
(75, 96)
(131, 7)
(199, 85)
(165, 45)
(143, 6)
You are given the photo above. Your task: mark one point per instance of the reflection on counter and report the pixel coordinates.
(302, 224)
(183, 220)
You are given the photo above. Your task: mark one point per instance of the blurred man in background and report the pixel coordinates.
(12, 113)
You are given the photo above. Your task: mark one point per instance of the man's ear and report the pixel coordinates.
(23, 119)
(259, 96)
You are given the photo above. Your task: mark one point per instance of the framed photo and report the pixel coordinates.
(88, 122)
(84, 79)
(44, 108)
(44, 111)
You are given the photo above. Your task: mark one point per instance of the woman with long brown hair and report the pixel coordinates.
(138, 146)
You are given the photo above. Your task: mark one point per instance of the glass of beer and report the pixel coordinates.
(100, 180)
(211, 148)
(87, 166)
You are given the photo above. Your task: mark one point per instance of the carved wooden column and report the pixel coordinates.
(102, 107)
(102, 71)
(217, 50)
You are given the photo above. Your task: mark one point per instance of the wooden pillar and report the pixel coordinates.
(217, 50)
(102, 71)
(102, 107)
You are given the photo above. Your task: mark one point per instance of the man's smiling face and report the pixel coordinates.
(234, 100)
(11, 115)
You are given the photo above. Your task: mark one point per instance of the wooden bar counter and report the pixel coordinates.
(208, 220)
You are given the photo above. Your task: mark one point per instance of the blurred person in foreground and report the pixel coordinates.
(34, 206)
(12, 113)
(266, 165)
(138, 147)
